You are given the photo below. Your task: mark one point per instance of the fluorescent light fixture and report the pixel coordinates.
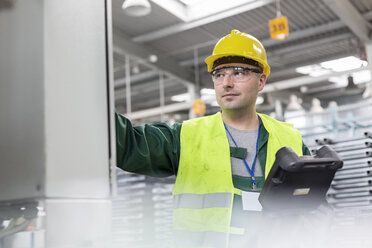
(336, 65)
(190, 10)
(344, 64)
(307, 69)
(313, 70)
(181, 97)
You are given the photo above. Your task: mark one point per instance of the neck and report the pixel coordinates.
(241, 120)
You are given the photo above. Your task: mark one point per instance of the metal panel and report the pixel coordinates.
(75, 99)
(53, 102)
(22, 114)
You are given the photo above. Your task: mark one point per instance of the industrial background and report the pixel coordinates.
(66, 66)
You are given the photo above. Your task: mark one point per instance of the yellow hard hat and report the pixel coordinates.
(242, 45)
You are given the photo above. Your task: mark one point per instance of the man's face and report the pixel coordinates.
(234, 93)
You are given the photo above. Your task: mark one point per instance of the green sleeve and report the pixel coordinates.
(305, 150)
(151, 150)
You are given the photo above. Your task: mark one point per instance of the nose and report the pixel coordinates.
(227, 81)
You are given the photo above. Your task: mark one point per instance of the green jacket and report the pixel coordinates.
(154, 150)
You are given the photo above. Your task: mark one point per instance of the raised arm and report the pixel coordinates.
(151, 150)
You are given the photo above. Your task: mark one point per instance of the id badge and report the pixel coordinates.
(250, 201)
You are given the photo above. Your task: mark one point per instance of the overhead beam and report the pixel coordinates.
(181, 27)
(149, 86)
(160, 110)
(284, 51)
(270, 42)
(120, 82)
(352, 18)
(302, 47)
(124, 46)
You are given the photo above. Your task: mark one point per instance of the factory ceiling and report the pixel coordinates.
(166, 48)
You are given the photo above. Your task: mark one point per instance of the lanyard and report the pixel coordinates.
(251, 171)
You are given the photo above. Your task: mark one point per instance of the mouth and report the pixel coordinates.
(229, 95)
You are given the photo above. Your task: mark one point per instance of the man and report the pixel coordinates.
(218, 158)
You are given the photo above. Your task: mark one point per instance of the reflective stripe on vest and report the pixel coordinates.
(197, 201)
(204, 191)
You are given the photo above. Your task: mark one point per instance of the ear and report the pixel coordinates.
(262, 81)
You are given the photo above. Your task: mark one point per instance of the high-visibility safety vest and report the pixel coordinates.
(203, 192)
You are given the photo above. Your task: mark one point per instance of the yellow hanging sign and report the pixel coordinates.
(279, 28)
(198, 107)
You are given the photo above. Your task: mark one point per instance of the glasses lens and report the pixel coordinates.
(219, 73)
(236, 73)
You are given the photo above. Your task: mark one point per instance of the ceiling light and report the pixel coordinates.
(181, 97)
(312, 70)
(136, 7)
(336, 65)
(344, 64)
(153, 58)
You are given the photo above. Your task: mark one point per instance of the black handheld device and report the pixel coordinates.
(299, 182)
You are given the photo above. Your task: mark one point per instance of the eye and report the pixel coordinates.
(241, 73)
(238, 72)
(218, 74)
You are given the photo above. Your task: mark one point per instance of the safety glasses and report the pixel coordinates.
(236, 73)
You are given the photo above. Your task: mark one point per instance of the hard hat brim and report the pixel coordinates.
(210, 60)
